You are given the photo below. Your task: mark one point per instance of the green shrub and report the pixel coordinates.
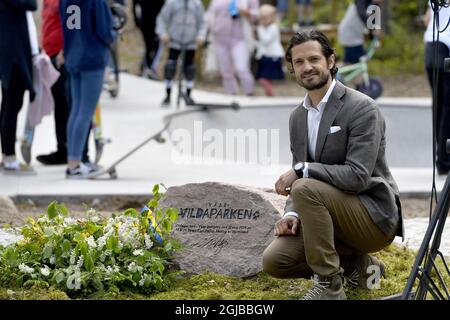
(126, 252)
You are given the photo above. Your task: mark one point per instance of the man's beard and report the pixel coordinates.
(323, 79)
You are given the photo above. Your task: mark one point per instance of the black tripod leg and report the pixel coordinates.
(435, 226)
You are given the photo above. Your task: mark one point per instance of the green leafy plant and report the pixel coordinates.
(126, 252)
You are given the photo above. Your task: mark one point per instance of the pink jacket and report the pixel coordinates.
(222, 26)
(44, 77)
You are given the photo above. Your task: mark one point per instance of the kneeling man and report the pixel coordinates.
(343, 201)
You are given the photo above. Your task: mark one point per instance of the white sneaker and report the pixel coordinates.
(16, 168)
(80, 172)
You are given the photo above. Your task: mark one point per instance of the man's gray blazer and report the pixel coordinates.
(352, 159)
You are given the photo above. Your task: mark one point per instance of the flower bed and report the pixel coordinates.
(126, 252)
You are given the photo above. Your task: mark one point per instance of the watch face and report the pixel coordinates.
(299, 166)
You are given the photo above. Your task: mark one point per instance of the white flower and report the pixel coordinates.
(45, 271)
(101, 242)
(132, 267)
(42, 219)
(10, 292)
(95, 219)
(25, 269)
(70, 221)
(91, 242)
(148, 241)
(109, 270)
(138, 252)
(91, 211)
(52, 259)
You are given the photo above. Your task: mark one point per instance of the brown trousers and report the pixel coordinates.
(333, 223)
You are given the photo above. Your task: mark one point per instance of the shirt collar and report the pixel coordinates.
(307, 102)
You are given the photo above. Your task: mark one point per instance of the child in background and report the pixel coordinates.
(269, 50)
(181, 25)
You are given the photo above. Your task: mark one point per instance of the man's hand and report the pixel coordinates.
(288, 226)
(285, 181)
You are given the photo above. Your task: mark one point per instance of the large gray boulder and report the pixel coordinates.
(223, 228)
(9, 213)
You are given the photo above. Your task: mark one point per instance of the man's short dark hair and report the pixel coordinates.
(313, 35)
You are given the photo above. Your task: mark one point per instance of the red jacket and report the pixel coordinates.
(52, 33)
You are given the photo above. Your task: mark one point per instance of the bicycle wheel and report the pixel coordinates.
(373, 90)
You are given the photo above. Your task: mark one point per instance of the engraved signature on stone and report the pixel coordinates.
(216, 245)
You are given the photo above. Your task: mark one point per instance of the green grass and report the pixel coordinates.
(209, 286)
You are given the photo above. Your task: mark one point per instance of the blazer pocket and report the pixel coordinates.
(334, 129)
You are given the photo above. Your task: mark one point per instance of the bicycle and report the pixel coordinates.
(369, 86)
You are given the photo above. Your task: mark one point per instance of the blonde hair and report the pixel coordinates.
(267, 10)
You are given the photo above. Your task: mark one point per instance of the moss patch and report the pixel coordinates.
(209, 286)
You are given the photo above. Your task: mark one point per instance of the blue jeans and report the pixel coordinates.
(85, 87)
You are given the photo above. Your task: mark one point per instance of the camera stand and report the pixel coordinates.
(425, 263)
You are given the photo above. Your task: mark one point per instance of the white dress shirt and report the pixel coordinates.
(314, 117)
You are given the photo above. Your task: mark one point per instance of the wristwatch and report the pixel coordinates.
(298, 168)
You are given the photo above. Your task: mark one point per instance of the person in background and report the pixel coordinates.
(343, 202)
(269, 49)
(53, 44)
(352, 28)
(304, 13)
(228, 21)
(145, 13)
(15, 76)
(181, 25)
(282, 10)
(443, 82)
(86, 54)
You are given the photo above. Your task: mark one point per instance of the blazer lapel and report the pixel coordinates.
(299, 135)
(332, 108)
(304, 135)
